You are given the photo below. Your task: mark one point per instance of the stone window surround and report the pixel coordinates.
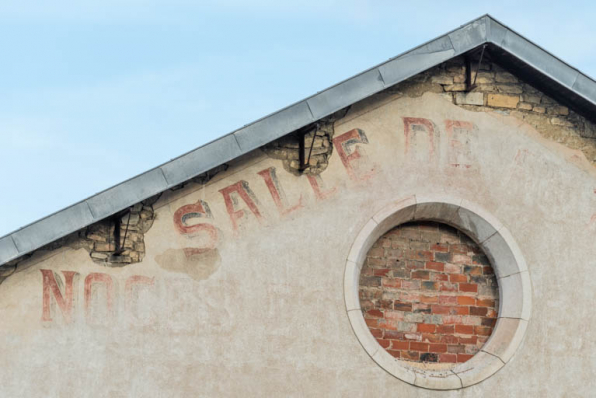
(515, 296)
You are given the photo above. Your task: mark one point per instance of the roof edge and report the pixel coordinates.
(479, 31)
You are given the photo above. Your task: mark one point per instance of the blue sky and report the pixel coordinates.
(92, 94)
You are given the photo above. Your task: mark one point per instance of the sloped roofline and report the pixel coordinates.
(483, 30)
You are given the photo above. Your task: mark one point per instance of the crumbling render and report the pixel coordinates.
(498, 90)
(117, 240)
(495, 89)
(315, 154)
(120, 240)
(315, 141)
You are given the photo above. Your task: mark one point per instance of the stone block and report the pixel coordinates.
(455, 87)
(366, 339)
(501, 256)
(363, 242)
(558, 110)
(99, 256)
(134, 256)
(486, 88)
(484, 78)
(120, 259)
(442, 79)
(105, 247)
(97, 237)
(532, 99)
(515, 296)
(438, 380)
(503, 101)
(558, 121)
(473, 225)
(396, 213)
(480, 367)
(439, 208)
(505, 77)
(351, 277)
(447, 96)
(525, 106)
(509, 89)
(506, 338)
(129, 219)
(393, 366)
(469, 98)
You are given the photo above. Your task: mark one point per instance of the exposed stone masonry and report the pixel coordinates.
(428, 293)
(99, 239)
(497, 89)
(287, 149)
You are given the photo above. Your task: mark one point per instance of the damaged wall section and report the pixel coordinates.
(316, 145)
(120, 240)
(496, 89)
(117, 240)
(308, 150)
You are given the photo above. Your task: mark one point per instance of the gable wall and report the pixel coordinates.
(240, 287)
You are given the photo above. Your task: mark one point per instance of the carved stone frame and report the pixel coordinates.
(515, 296)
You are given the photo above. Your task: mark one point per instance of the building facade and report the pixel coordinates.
(425, 228)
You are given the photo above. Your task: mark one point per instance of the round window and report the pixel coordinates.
(437, 292)
(428, 294)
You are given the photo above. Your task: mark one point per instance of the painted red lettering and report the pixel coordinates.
(50, 287)
(136, 280)
(277, 192)
(415, 125)
(353, 160)
(316, 182)
(231, 194)
(97, 278)
(182, 218)
(460, 154)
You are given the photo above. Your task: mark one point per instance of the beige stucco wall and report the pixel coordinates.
(263, 314)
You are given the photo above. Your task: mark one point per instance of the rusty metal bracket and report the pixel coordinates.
(120, 246)
(471, 85)
(304, 162)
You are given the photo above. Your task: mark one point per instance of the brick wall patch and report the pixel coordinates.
(428, 293)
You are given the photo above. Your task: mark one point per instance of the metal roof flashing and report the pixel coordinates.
(483, 30)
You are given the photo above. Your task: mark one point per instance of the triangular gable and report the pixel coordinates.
(527, 59)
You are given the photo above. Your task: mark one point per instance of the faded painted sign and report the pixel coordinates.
(241, 286)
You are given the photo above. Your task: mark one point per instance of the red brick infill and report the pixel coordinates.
(428, 293)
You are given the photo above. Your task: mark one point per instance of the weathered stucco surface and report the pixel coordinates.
(244, 296)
